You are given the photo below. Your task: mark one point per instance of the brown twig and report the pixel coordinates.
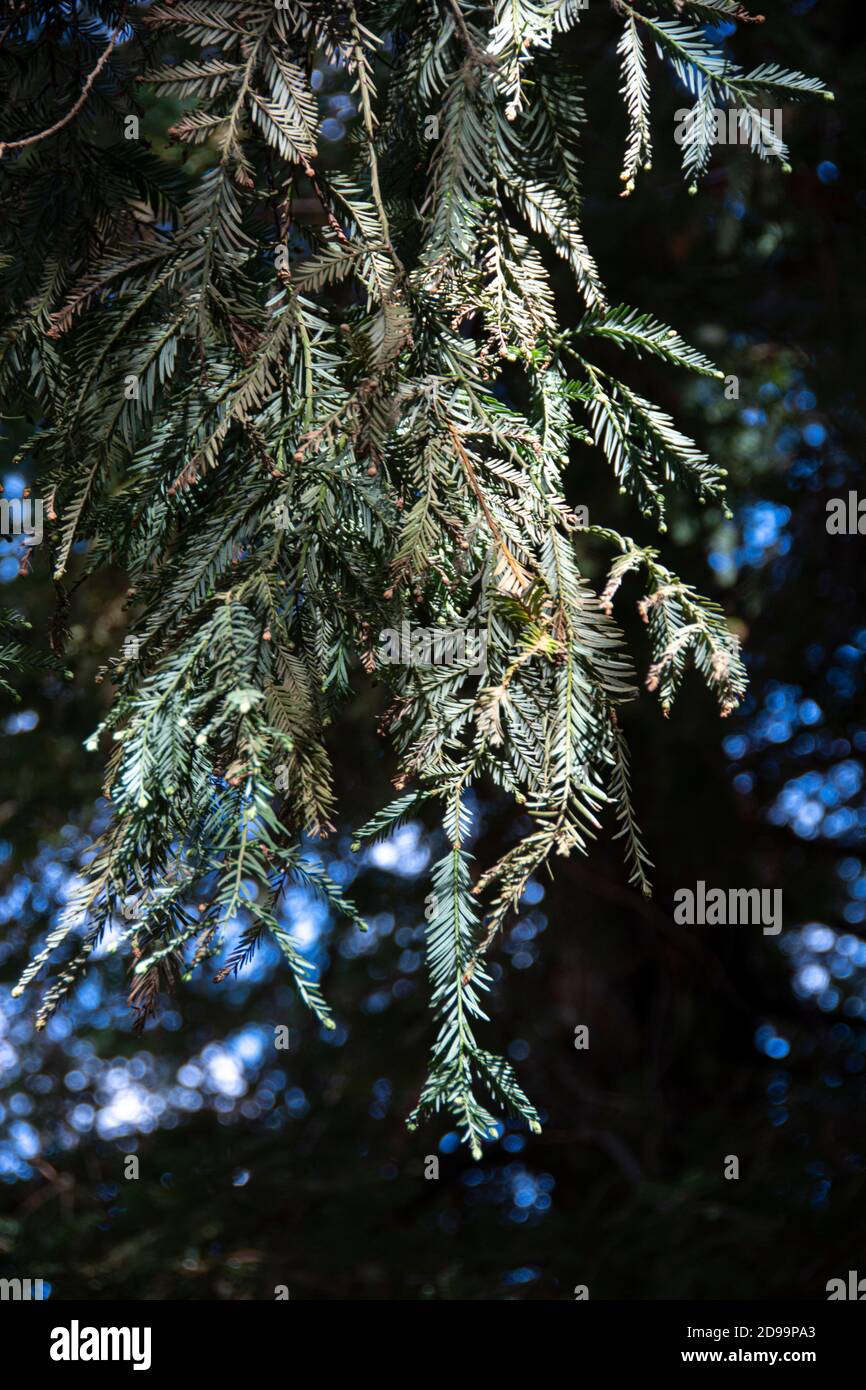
(520, 574)
(70, 115)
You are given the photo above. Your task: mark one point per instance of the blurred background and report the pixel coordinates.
(262, 1167)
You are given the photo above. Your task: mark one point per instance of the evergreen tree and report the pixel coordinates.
(302, 392)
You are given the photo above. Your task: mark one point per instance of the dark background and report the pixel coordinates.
(261, 1168)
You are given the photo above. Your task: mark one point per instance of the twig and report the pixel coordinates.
(520, 574)
(70, 115)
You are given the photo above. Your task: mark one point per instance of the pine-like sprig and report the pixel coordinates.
(269, 385)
